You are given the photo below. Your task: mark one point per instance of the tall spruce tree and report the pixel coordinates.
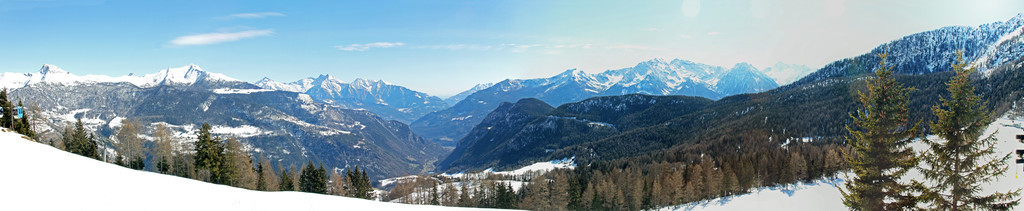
(285, 182)
(80, 142)
(209, 156)
(879, 137)
(959, 162)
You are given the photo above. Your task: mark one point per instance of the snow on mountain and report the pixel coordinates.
(52, 74)
(652, 77)
(74, 180)
(298, 86)
(986, 46)
(380, 97)
(787, 73)
(462, 95)
(822, 195)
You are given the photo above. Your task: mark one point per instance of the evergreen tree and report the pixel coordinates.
(25, 127)
(285, 181)
(433, 194)
(7, 120)
(209, 156)
(261, 180)
(958, 166)
(313, 180)
(321, 182)
(80, 142)
(880, 136)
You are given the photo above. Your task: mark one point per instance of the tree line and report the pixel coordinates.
(209, 159)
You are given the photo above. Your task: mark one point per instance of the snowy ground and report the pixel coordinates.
(822, 195)
(39, 177)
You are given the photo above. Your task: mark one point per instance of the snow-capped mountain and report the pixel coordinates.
(653, 77)
(986, 46)
(462, 95)
(183, 76)
(787, 73)
(289, 127)
(385, 99)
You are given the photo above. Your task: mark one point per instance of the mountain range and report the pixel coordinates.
(813, 110)
(653, 77)
(387, 100)
(287, 127)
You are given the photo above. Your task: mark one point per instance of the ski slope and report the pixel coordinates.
(39, 177)
(822, 195)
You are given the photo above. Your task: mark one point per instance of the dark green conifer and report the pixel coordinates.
(959, 165)
(879, 138)
(210, 155)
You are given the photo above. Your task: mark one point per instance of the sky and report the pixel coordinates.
(445, 47)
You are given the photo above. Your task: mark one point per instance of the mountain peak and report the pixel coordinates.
(744, 65)
(49, 68)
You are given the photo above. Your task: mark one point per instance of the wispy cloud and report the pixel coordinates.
(214, 38)
(368, 46)
(255, 15)
(628, 47)
(686, 36)
(714, 33)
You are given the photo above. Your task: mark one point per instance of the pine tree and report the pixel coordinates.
(959, 165)
(285, 181)
(880, 136)
(306, 179)
(433, 195)
(7, 120)
(80, 142)
(209, 157)
(321, 180)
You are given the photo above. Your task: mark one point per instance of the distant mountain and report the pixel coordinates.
(462, 95)
(814, 110)
(288, 127)
(387, 100)
(987, 46)
(787, 73)
(653, 77)
(191, 75)
(529, 130)
(744, 78)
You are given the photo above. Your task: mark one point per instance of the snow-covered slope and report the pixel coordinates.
(821, 195)
(40, 177)
(52, 74)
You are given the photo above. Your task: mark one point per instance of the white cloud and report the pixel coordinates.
(652, 29)
(213, 38)
(628, 47)
(714, 33)
(686, 36)
(691, 8)
(368, 46)
(256, 15)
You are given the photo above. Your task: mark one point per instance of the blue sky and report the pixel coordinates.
(444, 47)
